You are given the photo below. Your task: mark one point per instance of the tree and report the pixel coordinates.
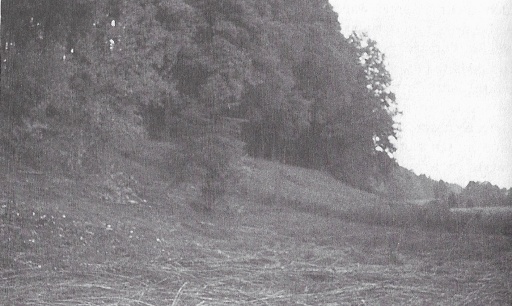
(178, 69)
(483, 194)
(39, 85)
(441, 190)
(366, 122)
(380, 102)
(452, 200)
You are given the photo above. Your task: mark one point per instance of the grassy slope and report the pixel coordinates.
(278, 240)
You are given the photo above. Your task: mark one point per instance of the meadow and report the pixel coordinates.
(282, 236)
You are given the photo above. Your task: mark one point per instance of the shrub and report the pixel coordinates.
(210, 160)
(434, 214)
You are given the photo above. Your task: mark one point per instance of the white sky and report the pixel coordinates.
(451, 64)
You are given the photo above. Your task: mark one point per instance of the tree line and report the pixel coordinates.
(479, 194)
(276, 75)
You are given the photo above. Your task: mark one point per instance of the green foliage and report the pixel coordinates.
(435, 214)
(122, 69)
(441, 191)
(41, 93)
(210, 160)
(484, 194)
(452, 200)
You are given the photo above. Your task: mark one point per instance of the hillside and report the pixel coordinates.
(137, 238)
(139, 149)
(403, 183)
(279, 77)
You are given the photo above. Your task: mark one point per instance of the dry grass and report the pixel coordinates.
(272, 244)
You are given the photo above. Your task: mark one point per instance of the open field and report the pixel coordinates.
(284, 238)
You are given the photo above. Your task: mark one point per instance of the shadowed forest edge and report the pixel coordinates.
(222, 151)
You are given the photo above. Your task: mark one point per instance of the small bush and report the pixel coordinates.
(434, 214)
(211, 160)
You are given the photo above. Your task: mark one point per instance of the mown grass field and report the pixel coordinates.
(283, 236)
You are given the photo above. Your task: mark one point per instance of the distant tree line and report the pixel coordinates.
(277, 75)
(404, 184)
(475, 194)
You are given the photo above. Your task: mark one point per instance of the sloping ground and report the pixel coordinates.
(140, 242)
(304, 185)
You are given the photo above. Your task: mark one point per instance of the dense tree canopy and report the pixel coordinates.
(483, 194)
(164, 69)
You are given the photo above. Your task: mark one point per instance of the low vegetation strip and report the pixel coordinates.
(316, 192)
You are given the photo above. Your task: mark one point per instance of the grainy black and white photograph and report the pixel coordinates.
(255, 152)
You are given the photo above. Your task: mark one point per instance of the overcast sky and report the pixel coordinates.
(451, 64)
